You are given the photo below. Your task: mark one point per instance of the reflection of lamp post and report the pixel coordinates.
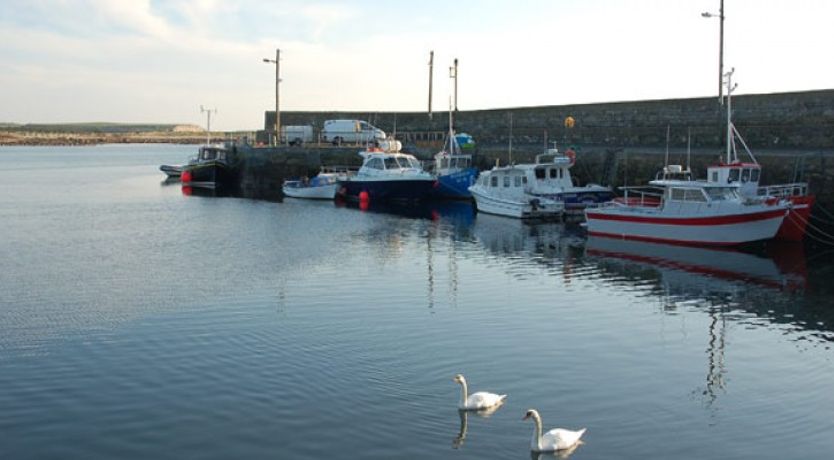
(720, 16)
(277, 105)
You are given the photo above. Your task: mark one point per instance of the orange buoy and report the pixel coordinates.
(364, 197)
(185, 177)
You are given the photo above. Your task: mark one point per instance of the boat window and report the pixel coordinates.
(720, 193)
(506, 181)
(494, 181)
(553, 173)
(221, 155)
(391, 163)
(517, 181)
(375, 163)
(540, 173)
(745, 174)
(733, 175)
(677, 194)
(524, 180)
(715, 176)
(209, 154)
(695, 195)
(754, 175)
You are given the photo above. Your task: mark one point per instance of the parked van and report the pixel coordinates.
(296, 135)
(339, 131)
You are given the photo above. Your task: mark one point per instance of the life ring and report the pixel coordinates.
(571, 156)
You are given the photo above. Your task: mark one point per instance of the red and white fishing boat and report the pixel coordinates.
(689, 212)
(722, 211)
(747, 175)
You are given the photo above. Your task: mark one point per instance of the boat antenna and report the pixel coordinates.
(511, 139)
(208, 122)
(688, 146)
(431, 74)
(667, 144)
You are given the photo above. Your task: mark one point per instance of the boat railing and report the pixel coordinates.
(642, 196)
(339, 169)
(784, 190)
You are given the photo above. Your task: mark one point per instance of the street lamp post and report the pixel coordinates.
(720, 16)
(277, 62)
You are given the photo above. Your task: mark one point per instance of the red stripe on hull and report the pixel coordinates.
(715, 220)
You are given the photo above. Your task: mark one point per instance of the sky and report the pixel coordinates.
(155, 61)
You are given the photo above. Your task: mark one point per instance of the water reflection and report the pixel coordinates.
(714, 270)
(457, 443)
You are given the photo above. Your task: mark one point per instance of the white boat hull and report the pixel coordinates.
(523, 207)
(321, 192)
(716, 229)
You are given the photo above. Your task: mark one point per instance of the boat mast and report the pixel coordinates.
(208, 122)
(730, 128)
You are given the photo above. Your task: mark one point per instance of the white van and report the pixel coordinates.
(339, 131)
(296, 135)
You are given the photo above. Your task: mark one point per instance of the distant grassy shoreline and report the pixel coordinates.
(102, 133)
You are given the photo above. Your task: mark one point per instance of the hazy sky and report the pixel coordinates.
(158, 61)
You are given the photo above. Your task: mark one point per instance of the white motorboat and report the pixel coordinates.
(387, 175)
(322, 186)
(504, 190)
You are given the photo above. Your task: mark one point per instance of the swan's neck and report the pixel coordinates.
(464, 393)
(537, 433)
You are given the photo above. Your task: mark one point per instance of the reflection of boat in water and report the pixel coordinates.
(458, 212)
(708, 265)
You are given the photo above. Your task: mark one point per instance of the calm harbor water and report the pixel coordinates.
(140, 322)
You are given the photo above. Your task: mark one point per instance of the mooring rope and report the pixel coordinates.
(795, 217)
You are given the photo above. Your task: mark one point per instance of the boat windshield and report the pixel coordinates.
(391, 163)
(409, 162)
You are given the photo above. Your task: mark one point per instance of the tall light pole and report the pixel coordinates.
(277, 62)
(720, 16)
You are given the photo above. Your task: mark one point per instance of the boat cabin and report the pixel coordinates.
(674, 172)
(212, 153)
(745, 175)
(551, 172)
(444, 161)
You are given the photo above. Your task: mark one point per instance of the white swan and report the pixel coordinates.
(553, 440)
(479, 400)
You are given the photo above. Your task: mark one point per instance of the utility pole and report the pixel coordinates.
(208, 122)
(277, 63)
(431, 73)
(720, 16)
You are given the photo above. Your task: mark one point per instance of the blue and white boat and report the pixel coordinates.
(387, 176)
(453, 169)
(322, 186)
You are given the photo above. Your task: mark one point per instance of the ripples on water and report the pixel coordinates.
(139, 322)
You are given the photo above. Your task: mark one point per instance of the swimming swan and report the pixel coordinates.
(479, 400)
(553, 440)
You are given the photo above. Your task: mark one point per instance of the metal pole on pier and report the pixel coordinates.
(431, 73)
(456, 85)
(277, 63)
(208, 122)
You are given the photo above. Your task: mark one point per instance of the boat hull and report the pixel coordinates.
(210, 174)
(794, 226)
(295, 189)
(530, 208)
(714, 230)
(455, 185)
(386, 190)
